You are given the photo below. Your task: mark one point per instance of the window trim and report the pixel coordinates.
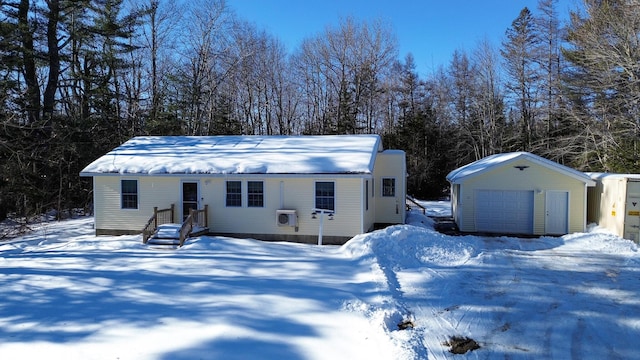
(260, 194)
(315, 194)
(123, 194)
(227, 193)
(384, 188)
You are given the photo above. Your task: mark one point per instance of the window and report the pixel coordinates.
(388, 187)
(366, 194)
(325, 195)
(255, 194)
(129, 191)
(234, 193)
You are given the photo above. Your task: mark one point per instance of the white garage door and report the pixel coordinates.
(504, 211)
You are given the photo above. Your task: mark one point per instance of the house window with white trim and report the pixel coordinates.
(234, 194)
(389, 187)
(255, 194)
(129, 191)
(325, 195)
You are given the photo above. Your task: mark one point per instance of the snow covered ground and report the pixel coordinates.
(66, 294)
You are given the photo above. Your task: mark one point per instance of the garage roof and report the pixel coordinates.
(330, 154)
(488, 163)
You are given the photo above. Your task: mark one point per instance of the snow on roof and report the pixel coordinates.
(322, 154)
(601, 176)
(485, 164)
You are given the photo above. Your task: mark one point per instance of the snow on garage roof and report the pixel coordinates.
(485, 164)
(322, 154)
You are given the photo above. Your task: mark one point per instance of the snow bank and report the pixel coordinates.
(599, 240)
(411, 246)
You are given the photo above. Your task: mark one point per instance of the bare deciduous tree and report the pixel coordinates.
(489, 102)
(341, 73)
(604, 76)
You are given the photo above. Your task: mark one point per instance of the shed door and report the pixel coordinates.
(504, 211)
(632, 211)
(556, 212)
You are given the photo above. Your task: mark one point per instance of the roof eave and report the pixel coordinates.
(345, 173)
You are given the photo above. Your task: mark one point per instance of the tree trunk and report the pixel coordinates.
(29, 63)
(54, 62)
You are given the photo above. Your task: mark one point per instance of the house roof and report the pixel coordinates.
(326, 154)
(491, 162)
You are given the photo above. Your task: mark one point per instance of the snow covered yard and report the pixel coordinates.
(66, 294)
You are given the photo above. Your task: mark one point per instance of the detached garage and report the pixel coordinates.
(519, 193)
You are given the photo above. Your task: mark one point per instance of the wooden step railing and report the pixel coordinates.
(196, 218)
(415, 202)
(159, 217)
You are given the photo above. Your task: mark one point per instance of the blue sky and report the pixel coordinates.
(430, 29)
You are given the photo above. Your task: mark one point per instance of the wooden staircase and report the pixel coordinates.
(161, 230)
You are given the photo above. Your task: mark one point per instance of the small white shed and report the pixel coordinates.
(519, 193)
(614, 204)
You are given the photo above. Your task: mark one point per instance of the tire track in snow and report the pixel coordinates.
(576, 340)
(399, 312)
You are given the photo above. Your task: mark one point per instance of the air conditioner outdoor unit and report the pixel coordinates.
(286, 218)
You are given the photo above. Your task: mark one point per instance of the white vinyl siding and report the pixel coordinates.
(390, 209)
(152, 191)
(290, 193)
(369, 206)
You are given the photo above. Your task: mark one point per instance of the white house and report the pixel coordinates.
(265, 187)
(519, 193)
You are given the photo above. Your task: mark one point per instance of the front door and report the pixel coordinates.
(189, 197)
(557, 212)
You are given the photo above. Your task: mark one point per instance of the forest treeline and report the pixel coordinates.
(79, 77)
